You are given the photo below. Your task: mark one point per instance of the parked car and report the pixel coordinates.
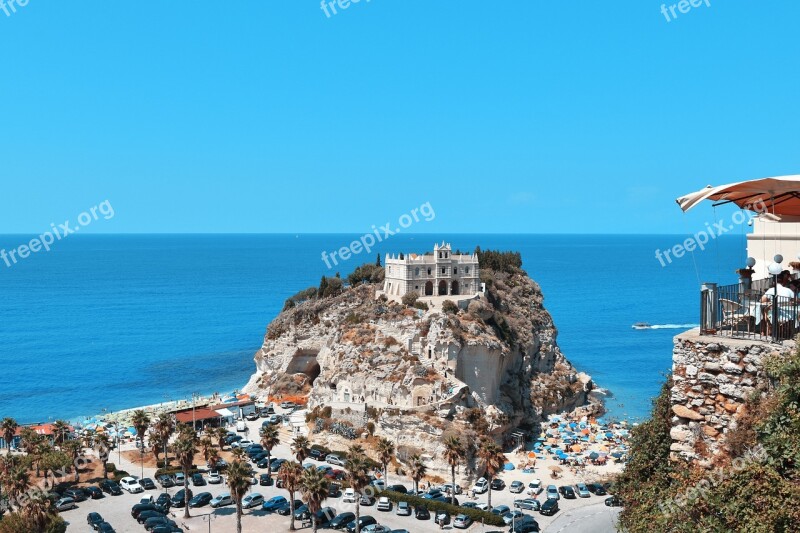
(403, 509)
(166, 528)
(500, 510)
(288, 405)
(334, 490)
(302, 512)
(498, 484)
(613, 501)
(94, 520)
(567, 492)
(363, 522)
(198, 480)
(241, 444)
(529, 504)
(480, 486)
(449, 487)
(178, 500)
(596, 489)
(265, 480)
(140, 508)
(432, 494)
(76, 494)
(349, 496)
(285, 509)
(552, 493)
(164, 500)
(254, 499)
(376, 528)
(131, 484)
(583, 490)
(512, 517)
(157, 521)
(549, 507)
(201, 500)
(442, 518)
(366, 500)
(462, 521)
(399, 488)
(535, 487)
(526, 527)
(110, 486)
(105, 527)
(316, 454)
(516, 487)
(421, 513)
(324, 516)
(147, 483)
(180, 479)
(150, 513)
(214, 478)
(93, 492)
(222, 500)
(334, 459)
(384, 504)
(273, 504)
(341, 520)
(252, 416)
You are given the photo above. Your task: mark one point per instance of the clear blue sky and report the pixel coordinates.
(266, 116)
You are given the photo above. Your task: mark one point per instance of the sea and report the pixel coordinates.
(108, 322)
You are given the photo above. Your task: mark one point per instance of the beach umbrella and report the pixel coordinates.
(576, 448)
(617, 455)
(585, 431)
(573, 425)
(555, 468)
(508, 466)
(594, 455)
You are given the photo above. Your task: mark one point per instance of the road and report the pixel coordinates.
(595, 518)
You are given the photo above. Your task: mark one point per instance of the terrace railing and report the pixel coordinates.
(742, 312)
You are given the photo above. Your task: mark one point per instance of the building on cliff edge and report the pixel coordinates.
(439, 274)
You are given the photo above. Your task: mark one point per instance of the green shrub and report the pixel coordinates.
(433, 506)
(410, 298)
(421, 305)
(449, 306)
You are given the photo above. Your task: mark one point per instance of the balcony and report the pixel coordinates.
(743, 312)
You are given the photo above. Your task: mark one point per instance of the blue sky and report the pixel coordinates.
(267, 116)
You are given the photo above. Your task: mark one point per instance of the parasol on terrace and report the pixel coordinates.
(780, 196)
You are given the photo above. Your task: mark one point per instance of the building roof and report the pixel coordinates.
(201, 413)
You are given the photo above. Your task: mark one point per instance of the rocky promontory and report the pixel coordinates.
(416, 371)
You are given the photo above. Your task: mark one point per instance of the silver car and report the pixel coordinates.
(552, 493)
(65, 504)
(582, 490)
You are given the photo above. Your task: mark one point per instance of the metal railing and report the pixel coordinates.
(745, 312)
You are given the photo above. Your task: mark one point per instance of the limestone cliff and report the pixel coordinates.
(418, 374)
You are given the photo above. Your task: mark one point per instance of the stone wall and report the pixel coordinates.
(713, 377)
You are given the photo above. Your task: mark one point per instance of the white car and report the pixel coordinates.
(131, 484)
(214, 478)
(535, 487)
(242, 444)
(253, 500)
(483, 506)
(480, 486)
(384, 504)
(222, 500)
(349, 496)
(379, 484)
(334, 460)
(65, 504)
(447, 487)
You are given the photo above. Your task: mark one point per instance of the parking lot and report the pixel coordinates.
(116, 509)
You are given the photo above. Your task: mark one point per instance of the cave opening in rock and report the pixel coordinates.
(305, 362)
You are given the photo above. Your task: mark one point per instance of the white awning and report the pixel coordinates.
(226, 413)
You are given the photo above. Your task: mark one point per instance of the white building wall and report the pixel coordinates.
(414, 272)
(770, 238)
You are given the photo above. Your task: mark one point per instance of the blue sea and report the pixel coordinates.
(116, 321)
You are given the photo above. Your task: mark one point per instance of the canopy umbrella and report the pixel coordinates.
(554, 468)
(594, 455)
(508, 466)
(780, 196)
(617, 455)
(576, 448)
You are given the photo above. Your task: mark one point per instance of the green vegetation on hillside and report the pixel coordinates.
(753, 487)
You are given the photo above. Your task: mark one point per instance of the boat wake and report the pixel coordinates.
(673, 326)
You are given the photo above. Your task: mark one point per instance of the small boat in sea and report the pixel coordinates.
(641, 325)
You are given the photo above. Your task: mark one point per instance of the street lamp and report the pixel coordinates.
(208, 518)
(775, 269)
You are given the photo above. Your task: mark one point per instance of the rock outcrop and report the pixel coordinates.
(416, 375)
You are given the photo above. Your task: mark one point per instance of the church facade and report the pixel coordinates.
(439, 274)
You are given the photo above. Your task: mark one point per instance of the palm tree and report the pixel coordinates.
(185, 449)
(454, 453)
(60, 432)
(220, 433)
(140, 421)
(289, 474)
(300, 448)
(269, 439)
(356, 449)
(492, 459)
(18, 483)
(315, 491)
(417, 469)
(238, 454)
(164, 428)
(39, 510)
(102, 444)
(385, 454)
(356, 466)
(40, 452)
(74, 449)
(9, 428)
(207, 448)
(239, 483)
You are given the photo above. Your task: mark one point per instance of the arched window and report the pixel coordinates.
(416, 271)
(455, 270)
(466, 270)
(429, 271)
(440, 255)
